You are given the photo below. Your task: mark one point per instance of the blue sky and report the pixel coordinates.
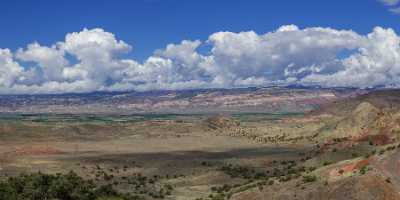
(84, 46)
(152, 24)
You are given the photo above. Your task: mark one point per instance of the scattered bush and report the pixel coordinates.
(70, 186)
(309, 178)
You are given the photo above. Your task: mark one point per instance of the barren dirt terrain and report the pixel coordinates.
(185, 149)
(345, 150)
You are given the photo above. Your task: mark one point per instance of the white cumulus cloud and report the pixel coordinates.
(288, 55)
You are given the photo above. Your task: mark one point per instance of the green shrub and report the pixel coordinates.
(70, 186)
(309, 178)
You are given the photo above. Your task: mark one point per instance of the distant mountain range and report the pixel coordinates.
(264, 99)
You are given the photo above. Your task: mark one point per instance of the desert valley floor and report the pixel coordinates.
(347, 149)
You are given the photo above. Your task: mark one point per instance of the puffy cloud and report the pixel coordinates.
(277, 55)
(9, 69)
(50, 59)
(318, 56)
(93, 45)
(98, 53)
(377, 63)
